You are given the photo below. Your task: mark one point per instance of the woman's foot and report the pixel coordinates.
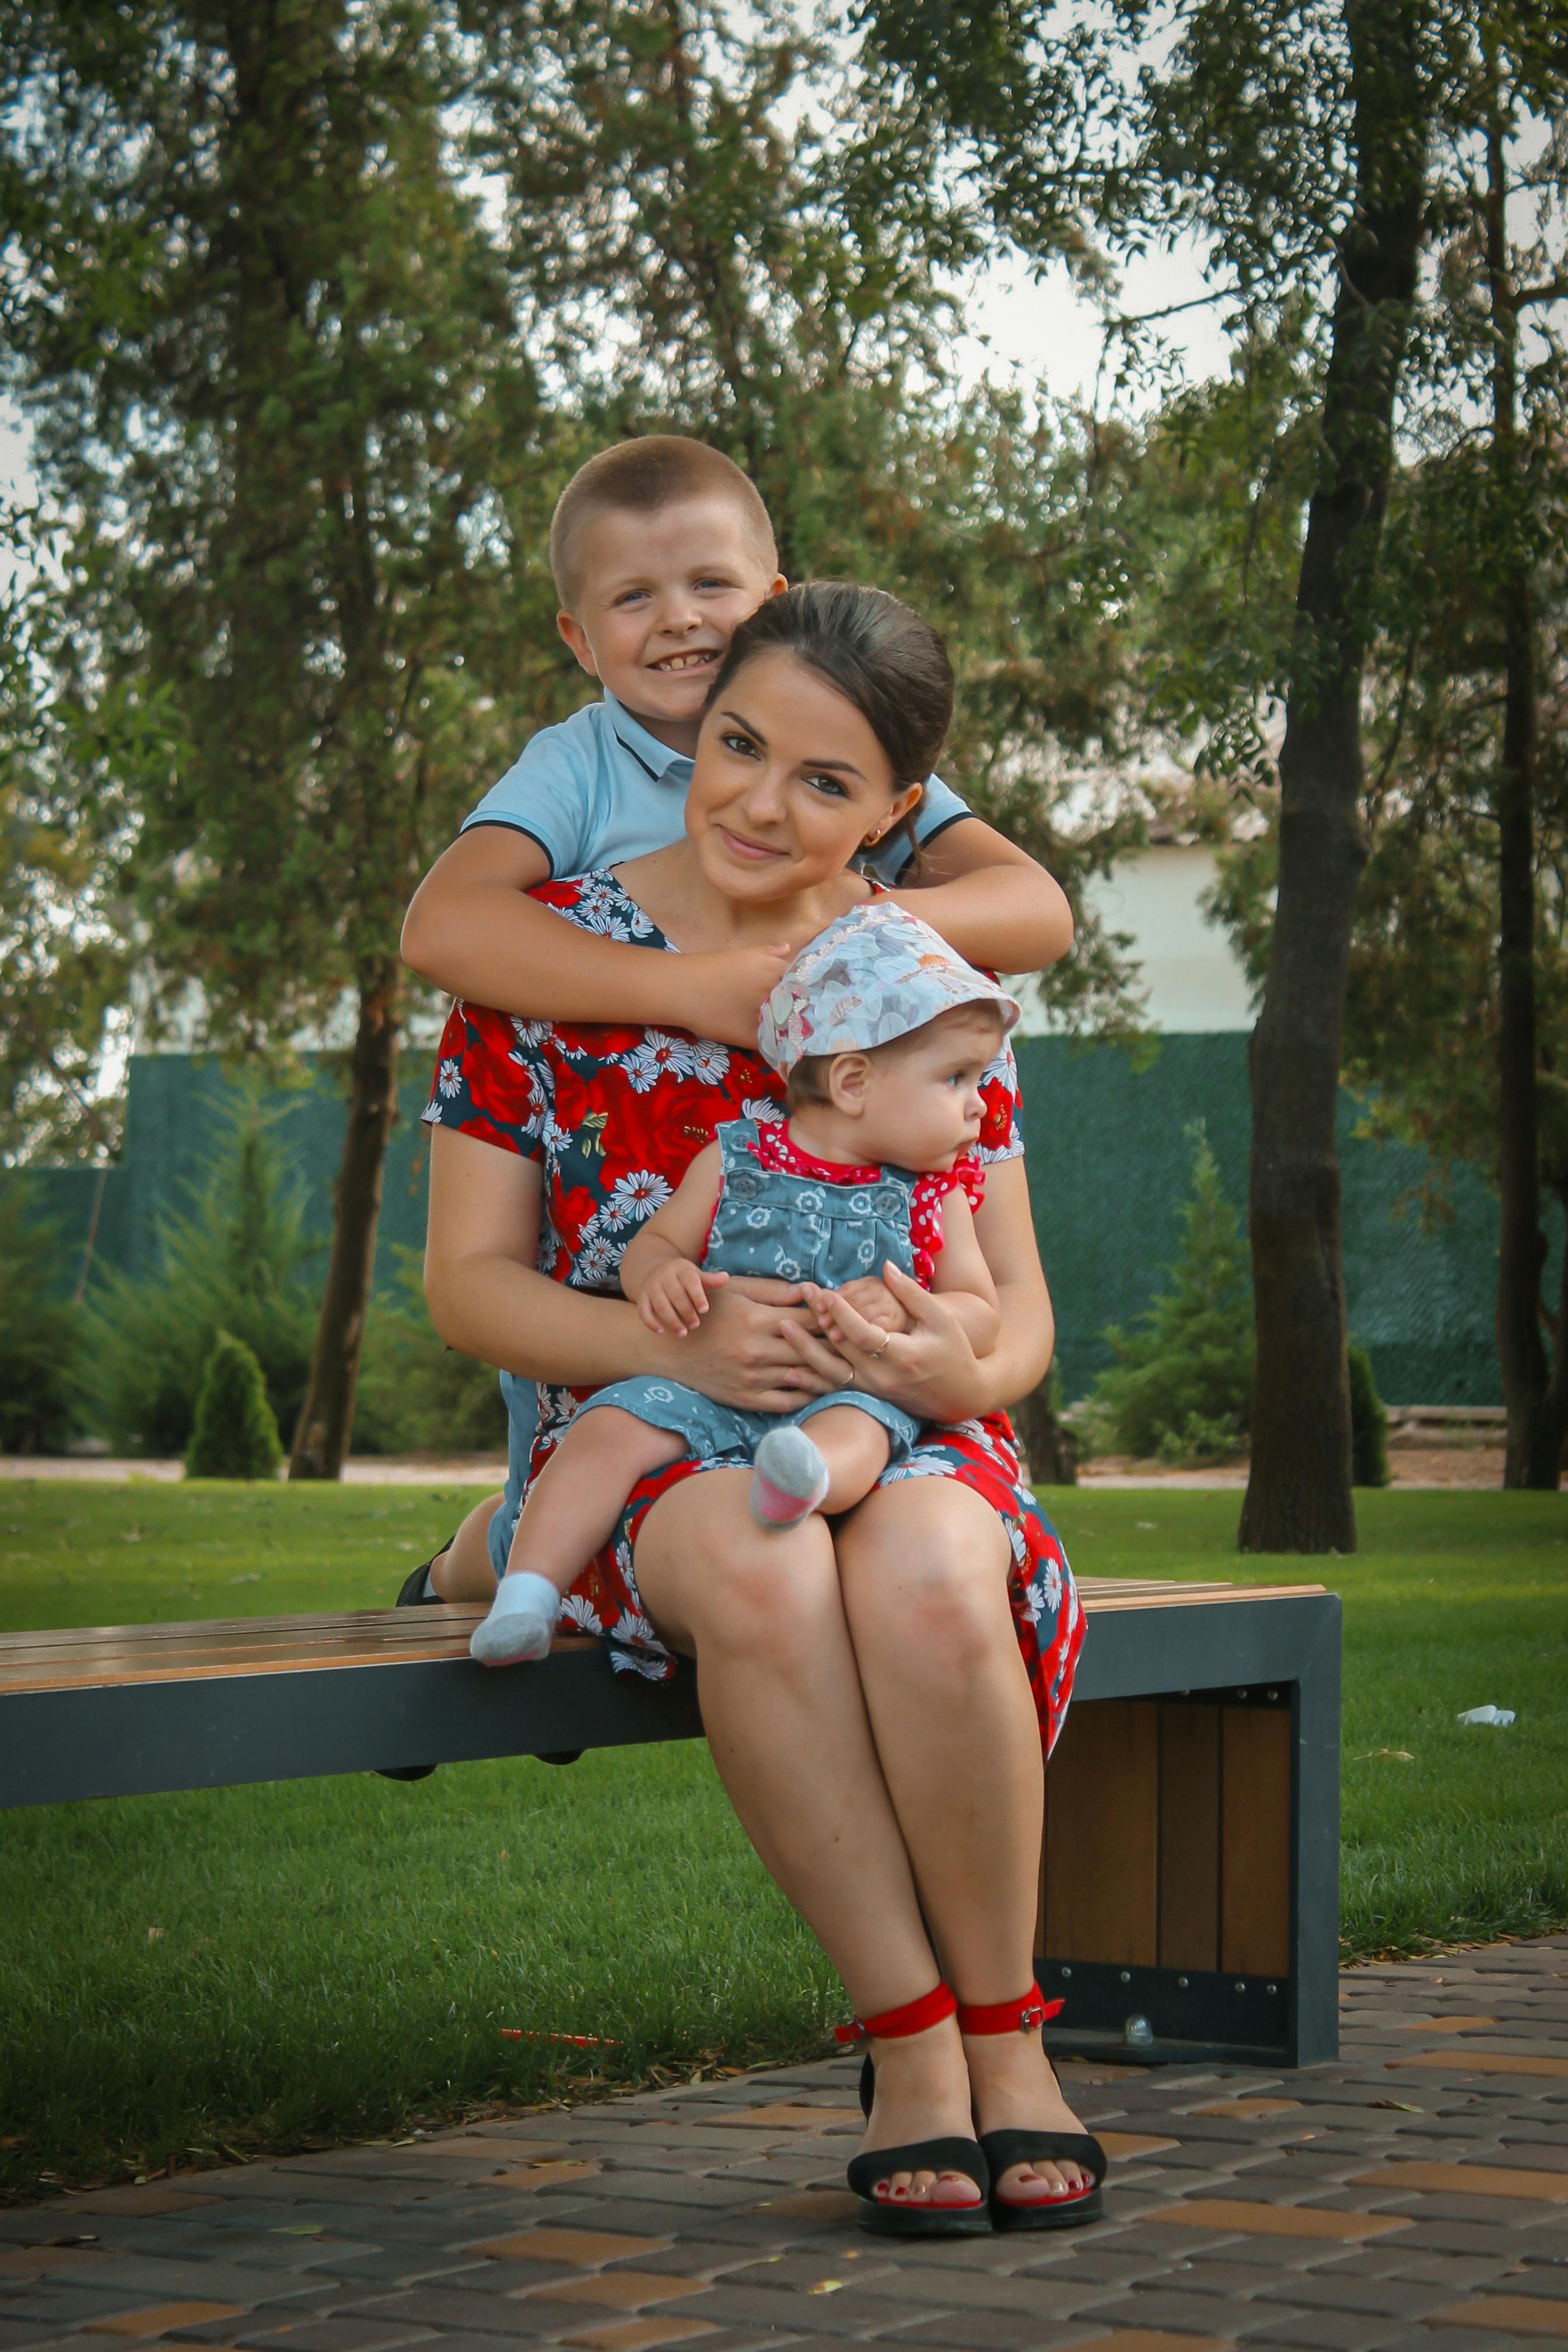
(923, 2093)
(1014, 2087)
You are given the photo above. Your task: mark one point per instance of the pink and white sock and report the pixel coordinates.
(789, 1479)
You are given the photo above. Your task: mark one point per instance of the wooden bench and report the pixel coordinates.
(1189, 1893)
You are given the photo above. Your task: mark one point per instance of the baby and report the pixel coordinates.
(883, 1036)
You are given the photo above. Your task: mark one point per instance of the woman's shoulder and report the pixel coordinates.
(600, 902)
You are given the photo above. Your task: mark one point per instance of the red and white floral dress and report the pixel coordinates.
(614, 1114)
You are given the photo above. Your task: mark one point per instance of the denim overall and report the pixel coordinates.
(788, 1228)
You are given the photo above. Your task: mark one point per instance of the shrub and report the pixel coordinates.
(416, 1394)
(1181, 1387)
(1369, 1422)
(39, 1327)
(235, 1260)
(236, 1435)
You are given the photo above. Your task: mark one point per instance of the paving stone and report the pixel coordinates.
(989, 2331)
(334, 2335)
(565, 2245)
(1513, 2314)
(1158, 2306)
(164, 2318)
(1324, 2331)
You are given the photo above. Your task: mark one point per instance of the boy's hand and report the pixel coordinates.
(721, 990)
(674, 1298)
(869, 1295)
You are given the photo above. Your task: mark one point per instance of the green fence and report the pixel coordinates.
(1109, 1164)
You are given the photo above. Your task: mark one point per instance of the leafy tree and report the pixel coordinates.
(1292, 138)
(38, 1325)
(237, 1259)
(234, 1434)
(1457, 1005)
(717, 224)
(270, 366)
(1181, 1387)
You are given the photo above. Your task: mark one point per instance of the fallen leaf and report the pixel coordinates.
(826, 2286)
(1403, 2107)
(1395, 1755)
(154, 1934)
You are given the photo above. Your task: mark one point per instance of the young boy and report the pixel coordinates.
(660, 548)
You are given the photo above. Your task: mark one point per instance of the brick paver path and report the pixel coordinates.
(1416, 2194)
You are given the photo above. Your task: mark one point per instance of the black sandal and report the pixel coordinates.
(1003, 2149)
(885, 2216)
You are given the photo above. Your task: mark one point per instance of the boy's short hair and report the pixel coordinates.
(641, 477)
(807, 1080)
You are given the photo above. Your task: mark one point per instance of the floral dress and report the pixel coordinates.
(614, 1114)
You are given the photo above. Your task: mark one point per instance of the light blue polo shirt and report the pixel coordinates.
(599, 789)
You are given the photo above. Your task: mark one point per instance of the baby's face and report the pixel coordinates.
(660, 597)
(922, 1101)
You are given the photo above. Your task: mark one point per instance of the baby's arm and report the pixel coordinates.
(659, 1270)
(473, 930)
(962, 1278)
(989, 899)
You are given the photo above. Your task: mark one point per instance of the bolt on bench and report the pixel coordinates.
(1189, 1893)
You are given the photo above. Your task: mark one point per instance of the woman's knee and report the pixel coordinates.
(764, 1594)
(934, 1582)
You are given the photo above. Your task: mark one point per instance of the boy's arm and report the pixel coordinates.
(961, 1277)
(659, 1267)
(989, 899)
(473, 932)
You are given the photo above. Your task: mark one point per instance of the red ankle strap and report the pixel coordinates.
(1025, 2015)
(893, 2023)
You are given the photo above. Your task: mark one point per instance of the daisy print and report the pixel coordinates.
(635, 1197)
(449, 1076)
(709, 1062)
(660, 1057)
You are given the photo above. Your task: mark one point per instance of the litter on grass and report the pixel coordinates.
(1499, 1716)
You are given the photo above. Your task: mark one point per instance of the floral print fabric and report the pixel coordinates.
(614, 1114)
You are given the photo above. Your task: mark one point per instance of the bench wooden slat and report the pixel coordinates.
(93, 1656)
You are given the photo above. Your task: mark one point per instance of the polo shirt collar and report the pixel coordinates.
(663, 765)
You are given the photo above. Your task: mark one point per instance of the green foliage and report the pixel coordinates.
(39, 1328)
(236, 1434)
(235, 1260)
(416, 1395)
(1369, 1424)
(1182, 1384)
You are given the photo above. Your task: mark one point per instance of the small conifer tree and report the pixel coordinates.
(236, 1434)
(1369, 1424)
(1181, 1387)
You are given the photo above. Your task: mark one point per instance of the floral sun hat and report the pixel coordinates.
(874, 975)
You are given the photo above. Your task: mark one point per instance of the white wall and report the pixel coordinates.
(1190, 974)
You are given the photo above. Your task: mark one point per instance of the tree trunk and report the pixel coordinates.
(1299, 1495)
(1535, 1395)
(326, 1417)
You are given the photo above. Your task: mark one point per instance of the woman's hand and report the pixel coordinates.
(930, 1370)
(742, 1353)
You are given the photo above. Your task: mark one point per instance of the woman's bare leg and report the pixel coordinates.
(925, 1574)
(762, 1614)
(463, 1571)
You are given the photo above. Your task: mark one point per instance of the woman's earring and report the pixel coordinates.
(871, 840)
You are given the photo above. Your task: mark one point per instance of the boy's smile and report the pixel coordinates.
(661, 596)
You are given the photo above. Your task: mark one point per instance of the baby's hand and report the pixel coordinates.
(870, 1296)
(675, 1296)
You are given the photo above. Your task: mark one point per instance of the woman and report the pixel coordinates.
(875, 1694)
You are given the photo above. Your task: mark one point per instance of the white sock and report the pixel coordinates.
(789, 1479)
(520, 1622)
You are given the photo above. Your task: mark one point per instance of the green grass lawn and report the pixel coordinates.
(317, 1960)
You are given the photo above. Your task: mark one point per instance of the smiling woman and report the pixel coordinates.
(876, 1689)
